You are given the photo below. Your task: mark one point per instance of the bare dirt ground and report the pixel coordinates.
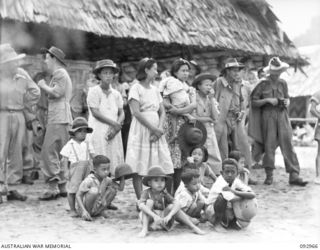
(286, 214)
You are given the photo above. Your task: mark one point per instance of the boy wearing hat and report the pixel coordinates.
(270, 124)
(17, 93)
(158, 207)
(97, 190)
(76, 156)
(224, 193)
(59, 94)
(229, 92)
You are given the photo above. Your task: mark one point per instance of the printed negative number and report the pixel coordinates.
(308, 245)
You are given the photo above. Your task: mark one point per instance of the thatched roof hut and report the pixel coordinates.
(127, 30)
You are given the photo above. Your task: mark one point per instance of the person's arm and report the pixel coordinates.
(203, 119)
(166, 103)
(135, 109)
(176, 207)
(84, 213)
(100, 117)
(120, 116)
(313, 109)
(59, 85)
(211, 174)
(122, 184)
(162, 116)
(64, 163)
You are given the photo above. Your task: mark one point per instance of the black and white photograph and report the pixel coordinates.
(159, 124)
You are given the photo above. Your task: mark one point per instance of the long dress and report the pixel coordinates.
(108, 103)
(204, 109)
(141, 153)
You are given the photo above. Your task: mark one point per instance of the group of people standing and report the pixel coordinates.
(168, 122)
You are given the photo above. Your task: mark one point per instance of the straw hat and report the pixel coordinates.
(245, 210)
(57, 53)
(153, 172)
(123, 170)
(276, 66)
(106, 63)
(201, 77)
(8, 54)
(79, 123)
(191, 135)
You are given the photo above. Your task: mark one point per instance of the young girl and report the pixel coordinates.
(179, 101)
(76, 156)
(207, 113)
(200, 156)
(158, 208)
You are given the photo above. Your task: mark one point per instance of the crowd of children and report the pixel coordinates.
(181, 131)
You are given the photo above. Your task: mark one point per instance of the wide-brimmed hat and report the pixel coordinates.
(106, 63)
(57, 53)
(79, 123)
(153, 172)
(276, 66)
(245, 210)
(8, 54)
(201, 77)
(232, 63)
(123, 170)
(191, 135)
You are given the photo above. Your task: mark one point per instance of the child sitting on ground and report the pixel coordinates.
(243, 172)
(76, 159)
(228, 193)
(98, 190)
(200, 156)
(190, 198)
(158, 208)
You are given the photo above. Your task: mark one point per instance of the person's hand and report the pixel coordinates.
(111, 133)
(157, 219)
(36, 127)
(191, 119)
(116, 126)
(42, 84)
(157, 132)
(167, 219)
(286, 102)
(86, 216)
(273, 101)
(227, 188)
(153, 138)
(173, 110)
(240, 116)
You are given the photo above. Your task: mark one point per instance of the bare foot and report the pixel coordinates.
(143, 234)
(73, 213)
(220, 229)
(197, 230)
(195, 221)
(104, 214)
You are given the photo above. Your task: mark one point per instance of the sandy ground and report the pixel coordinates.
(286, 214)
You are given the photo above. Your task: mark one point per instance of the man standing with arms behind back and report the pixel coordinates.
(59, 94)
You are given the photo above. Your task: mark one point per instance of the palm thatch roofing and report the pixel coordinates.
(241, 26)
(307, 83)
